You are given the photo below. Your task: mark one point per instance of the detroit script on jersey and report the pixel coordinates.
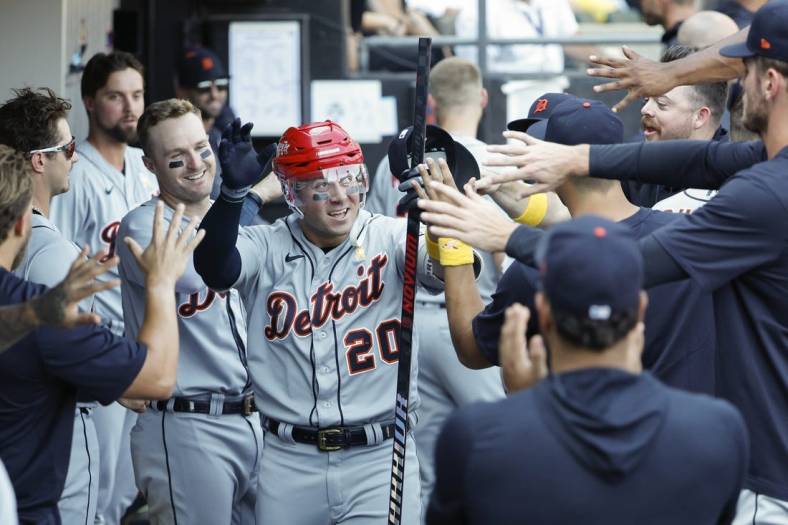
(323, 327)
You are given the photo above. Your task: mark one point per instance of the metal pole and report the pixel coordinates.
(482, 35)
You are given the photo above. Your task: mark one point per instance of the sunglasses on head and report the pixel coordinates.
(220, 83)
(67, 149)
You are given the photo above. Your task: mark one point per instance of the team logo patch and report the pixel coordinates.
(541, 105)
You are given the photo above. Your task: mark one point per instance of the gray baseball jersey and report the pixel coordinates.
(323, 326)
(90, 212)
(48, 256)
(211, 325)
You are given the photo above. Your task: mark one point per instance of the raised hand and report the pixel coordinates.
(546, 165)
(469, 218)
(522, 366)
(640, 76)
(242, 167)
(166, 257)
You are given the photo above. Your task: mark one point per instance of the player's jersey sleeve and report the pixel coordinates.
(733, 233)
(517, 285)
(138, 225)
(677, 163)
(252, 246)
(100, 364)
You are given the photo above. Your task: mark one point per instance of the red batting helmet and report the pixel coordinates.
(319, 150)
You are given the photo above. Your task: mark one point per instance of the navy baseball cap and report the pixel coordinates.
(768, 36)
(591, 268)
(540, 110)
(438, 142)
(198, 65)
(583, 121)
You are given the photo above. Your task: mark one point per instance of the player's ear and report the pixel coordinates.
(485, 98)
(702, 116)
(37, 163)
(149, 164)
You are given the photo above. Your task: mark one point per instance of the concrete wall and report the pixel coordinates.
(38, 38)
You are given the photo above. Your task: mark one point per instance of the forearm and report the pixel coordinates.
(508, 198)
(676, 163)
(216, 259)
(16, 321)
(159, 332)
(708, 65)
(463, 303)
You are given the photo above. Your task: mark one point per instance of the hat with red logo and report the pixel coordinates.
(591, 268)
(199, 65)
(540, 110)
(768, 36)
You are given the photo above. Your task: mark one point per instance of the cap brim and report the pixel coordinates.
(737, 51)
(522, 124)
(539, 129)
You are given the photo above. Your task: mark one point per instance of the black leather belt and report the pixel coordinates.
(246, 406)
(331, 438)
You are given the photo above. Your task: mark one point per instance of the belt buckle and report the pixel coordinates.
(248, 406)
(321, 439)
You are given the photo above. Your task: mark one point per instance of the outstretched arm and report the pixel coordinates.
(58, 306)
(642, 77)
(217, 259)
(679, 163)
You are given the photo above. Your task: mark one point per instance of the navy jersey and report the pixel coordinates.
(39, 379)
(680, 341)
(737, 247)
(592, 446)
(648, 194)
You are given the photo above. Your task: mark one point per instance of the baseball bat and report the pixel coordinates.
(418, 136)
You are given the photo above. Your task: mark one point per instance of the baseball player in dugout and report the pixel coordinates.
(35, 122)
(108, 182)
(685, 112)
(42, 375)
(195, 455)
(322, 290)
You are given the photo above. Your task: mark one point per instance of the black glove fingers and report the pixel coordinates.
(246, 132)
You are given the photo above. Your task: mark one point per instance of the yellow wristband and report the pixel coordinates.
(454, 252)
(432, 248)
(535, 211)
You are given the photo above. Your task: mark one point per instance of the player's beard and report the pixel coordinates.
(755, 116)
(126, 136)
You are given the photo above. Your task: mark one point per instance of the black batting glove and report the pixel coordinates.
(242, 167)
(408, 201)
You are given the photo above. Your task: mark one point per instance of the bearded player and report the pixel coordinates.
(322, 288)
